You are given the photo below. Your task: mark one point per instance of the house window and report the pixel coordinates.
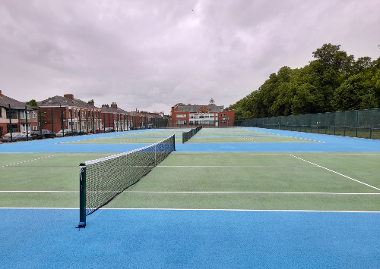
(222, 115)
(12, 114)
(34, 115)
(35, 128)
(181, 115)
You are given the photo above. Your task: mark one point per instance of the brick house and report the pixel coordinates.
(154, 120)
(66, 112)
(16, 116)
(116, 118)
(206, 115)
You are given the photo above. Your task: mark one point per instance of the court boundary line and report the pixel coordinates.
(242, 210)
(211, 192)
(252, 192)
(28, 161)
(232, 166)
(39, 191)
(193, 209)
(335, 172)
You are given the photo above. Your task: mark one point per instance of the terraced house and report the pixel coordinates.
(16, 116)
(58, 113)
(116, 118)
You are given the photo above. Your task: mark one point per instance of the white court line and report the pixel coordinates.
(39, 191)
(238, 210)
(253, 192)
(7, 165)
(353, 179)
(211, 192)
(193, 209)
(232, 166)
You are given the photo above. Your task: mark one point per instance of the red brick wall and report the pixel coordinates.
(222, 121)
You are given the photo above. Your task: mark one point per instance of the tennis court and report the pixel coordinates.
(227, 198)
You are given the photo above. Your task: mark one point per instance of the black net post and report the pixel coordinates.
(173, 142)
(82, 193)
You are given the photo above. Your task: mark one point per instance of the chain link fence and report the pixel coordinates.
(354, 123)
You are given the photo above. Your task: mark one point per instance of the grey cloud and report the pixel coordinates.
(151, 55)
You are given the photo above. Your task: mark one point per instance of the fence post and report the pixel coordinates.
(357, 122)
(370, 130)
(345, 120)
(10, 121)
(26, 123)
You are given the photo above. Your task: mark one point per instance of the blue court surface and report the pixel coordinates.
(43, 238)
(178, 238)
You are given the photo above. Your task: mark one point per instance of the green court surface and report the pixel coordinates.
(41, 180)
(122, 140)
(252, 181)
(242, 181)
(246, 139)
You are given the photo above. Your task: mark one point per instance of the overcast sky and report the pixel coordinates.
(152, 54)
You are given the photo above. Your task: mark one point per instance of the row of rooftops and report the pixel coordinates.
(67, 100)
(196, 108)
(5, 101)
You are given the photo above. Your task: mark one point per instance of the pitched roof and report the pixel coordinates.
(112, 110)
(63, 101)
(196, 108)
(5, 101)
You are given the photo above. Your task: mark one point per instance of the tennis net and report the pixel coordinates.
(187, 135)
(101, 180)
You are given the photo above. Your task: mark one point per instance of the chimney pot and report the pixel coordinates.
(69, 96)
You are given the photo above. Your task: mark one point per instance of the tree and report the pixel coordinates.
(357, 92)
(331, 67)
(332, 81)
(32, 103)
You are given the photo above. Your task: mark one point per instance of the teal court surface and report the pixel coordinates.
(227, 198)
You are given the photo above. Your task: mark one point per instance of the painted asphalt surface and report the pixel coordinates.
(42, 238)
(47, 238)
(323, 143)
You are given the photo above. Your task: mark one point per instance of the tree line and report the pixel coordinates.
(333, 81)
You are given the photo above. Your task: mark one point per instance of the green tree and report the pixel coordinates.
(332, 81)
(32, 103)
(331, 67)
(357, 92)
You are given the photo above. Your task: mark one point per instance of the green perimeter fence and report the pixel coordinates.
(354, 123)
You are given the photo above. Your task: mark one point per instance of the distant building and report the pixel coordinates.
(16, 116)
(209, 115)
(66, 112)
(116, 118)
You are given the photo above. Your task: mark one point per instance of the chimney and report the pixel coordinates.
(69, 96)
(1, 93)
(105, 105)
(114, 105)
(91, 102)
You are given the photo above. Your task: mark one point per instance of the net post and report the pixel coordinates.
(173, 142)
(155, 155)
(82, 192)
